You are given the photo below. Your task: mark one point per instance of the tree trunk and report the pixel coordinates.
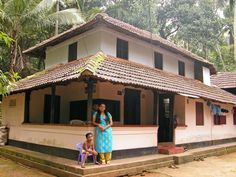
(220, 55)
(235, 32)
(13, 55)
(17, 62)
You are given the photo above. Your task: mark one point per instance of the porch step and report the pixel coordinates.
(69, 168)
(169, 149)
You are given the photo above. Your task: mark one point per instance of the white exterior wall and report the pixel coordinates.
(66, 136)
(104, 39)
(207, 132)
(13, 115)
(142, 52)
(88, 44)
(141, 136)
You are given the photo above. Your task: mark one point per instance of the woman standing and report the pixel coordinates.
(103, 122)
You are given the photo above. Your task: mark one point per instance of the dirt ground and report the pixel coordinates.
(9, 168)
(221, 166)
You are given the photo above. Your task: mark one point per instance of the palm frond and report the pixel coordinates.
(44, 5)
(93, 12)
(67, 17)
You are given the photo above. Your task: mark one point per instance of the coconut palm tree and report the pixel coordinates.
(233, 7)
(87, 10)
(7, 79)
(21, 17)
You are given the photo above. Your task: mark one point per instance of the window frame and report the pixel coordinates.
(72, 51)
(158, 60)
(220, 119)
(234, 116)
(199, 122)
(181, 68)
(122, 49)
(198, 75)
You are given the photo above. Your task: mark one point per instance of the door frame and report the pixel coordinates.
(166, 126)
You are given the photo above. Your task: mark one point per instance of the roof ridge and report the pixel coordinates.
(93, 63)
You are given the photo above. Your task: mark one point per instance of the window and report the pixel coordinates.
(234, 115)
(72, 54)
(198, 72)
(122, 49)
(78, 109)
(222, 119)
(219, 120)
(158, 57)
(181, 68)
(199, 113)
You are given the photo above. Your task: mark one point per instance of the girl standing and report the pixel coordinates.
(103, 122)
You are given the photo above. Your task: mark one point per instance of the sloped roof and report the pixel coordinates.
(109, 68)
(224, 80)
(121, 27)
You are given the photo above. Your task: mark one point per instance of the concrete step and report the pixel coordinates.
(131, 171)
(69, 168)
(169, 149)
(64, 167)
(43, 167)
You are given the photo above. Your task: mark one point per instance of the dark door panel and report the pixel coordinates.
(132, 107)
(47, 109)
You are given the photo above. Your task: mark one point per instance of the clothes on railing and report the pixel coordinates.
(214, 108)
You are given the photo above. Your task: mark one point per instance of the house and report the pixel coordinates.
(143, 79)
(227, 82)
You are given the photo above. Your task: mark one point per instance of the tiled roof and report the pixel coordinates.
(108, 68)
(123, 28)
(224, 80)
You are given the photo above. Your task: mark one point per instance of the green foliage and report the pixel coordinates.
(202, 31)
(136, 12)
(7, 82)
(193, 24)
(25, 21)
(5, 39)
(7, 79)
(226, 63)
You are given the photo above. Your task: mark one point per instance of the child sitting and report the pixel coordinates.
(88, 149)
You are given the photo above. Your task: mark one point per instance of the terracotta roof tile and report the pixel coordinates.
(117, 70)
(123, 27)
(224, 80)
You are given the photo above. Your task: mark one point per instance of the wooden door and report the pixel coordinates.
(132, 107)
(47, 109)
(166, 117)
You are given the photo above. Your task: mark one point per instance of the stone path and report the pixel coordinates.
(9, 168)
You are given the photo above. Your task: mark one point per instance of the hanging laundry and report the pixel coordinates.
(224, 111)
(215, 109)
